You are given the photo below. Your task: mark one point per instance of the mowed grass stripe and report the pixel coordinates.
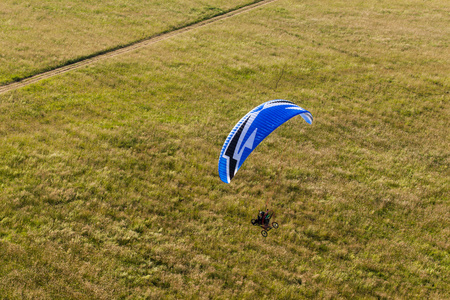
(131, 47)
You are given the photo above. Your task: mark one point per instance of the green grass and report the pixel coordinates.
(108, 174)
(40, 35)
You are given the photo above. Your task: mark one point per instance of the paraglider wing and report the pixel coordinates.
(254, 127)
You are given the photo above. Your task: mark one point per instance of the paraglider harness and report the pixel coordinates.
(263, 220)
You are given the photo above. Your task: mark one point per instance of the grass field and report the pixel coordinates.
(40, 35)
(108, 174)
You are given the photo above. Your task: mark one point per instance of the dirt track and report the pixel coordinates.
(112, 53)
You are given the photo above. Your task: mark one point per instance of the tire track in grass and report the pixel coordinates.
(128, 48)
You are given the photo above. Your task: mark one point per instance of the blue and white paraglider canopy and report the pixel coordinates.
(254, 127)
